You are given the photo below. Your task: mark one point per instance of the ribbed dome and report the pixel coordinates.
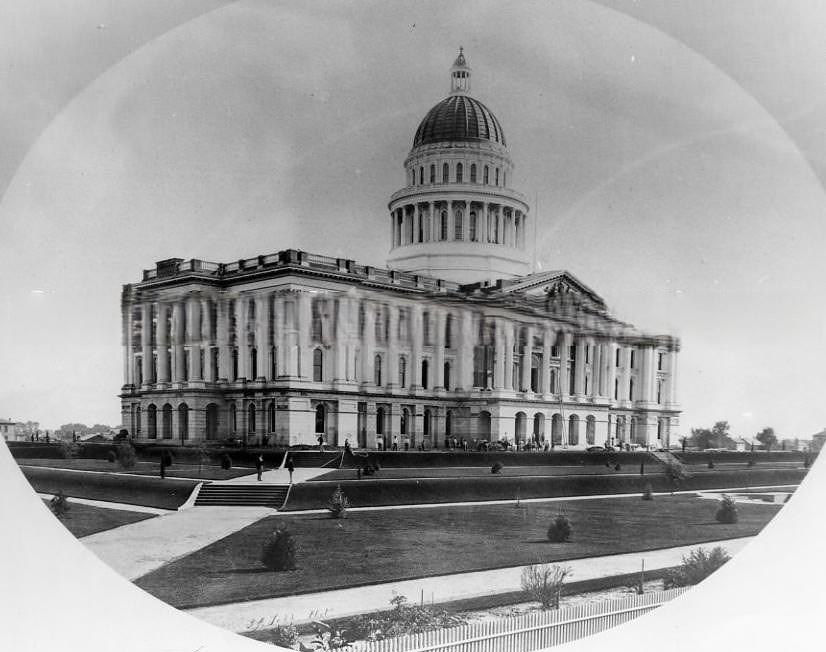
(459, 117)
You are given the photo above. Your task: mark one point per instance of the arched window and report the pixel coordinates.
(473, 172)
(590, 430)
(166, 421)
(183, 421)
(271, 416)
(251, 418)
(426, 425)
(538, 427)
(425, 369)
(449, 332)
(380, 421)
(320, 419)
(573, 430)
(402, 371)
(457, 226)
(253, 363)
(459, 173)
(138, 421)
(472, 226)
(632, 430)
(432, 173)
(421, 176)
(445, 173)
(404, 420)
(212, 421)
(443, 226)
(233, 418)
(318, 365)
(556, 429)
(377, 370)
(447, 376)
(486, 176)
(448, 423)
(152, 421)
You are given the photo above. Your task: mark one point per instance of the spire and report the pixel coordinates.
(460, 75)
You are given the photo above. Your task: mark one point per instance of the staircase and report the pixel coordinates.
(315, 459)
(242, 495)
(665, 457)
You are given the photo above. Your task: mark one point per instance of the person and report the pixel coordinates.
(395, 442)
(290, 468)
(358, 472)
(347, 446)
(163, 465)
(321, 442)
(259, 466)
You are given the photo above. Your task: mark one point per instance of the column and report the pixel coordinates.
(438, 373)
(341, 339)
(527, 356)
(393, 349)
(146, 342)
(564, 341)
(279, 333)
(596, 371)
(368, 344)
(262, 334)
(431, 220)
(499, 356)
(547, 343)
(482, 223)
(162, 344)
(466, 340)
(126, 339)
(224, 345)
(178, 326)
(416, 347)
(610, 370)
(193, 321)
(304, 348)
(579, 380)
(672, 378)
(242, 342)
(508, 354)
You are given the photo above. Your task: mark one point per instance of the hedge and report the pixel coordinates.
(738, 457)
(418, 459)
(376, 492)
(130, 489)
(191, 454)
(24, 450)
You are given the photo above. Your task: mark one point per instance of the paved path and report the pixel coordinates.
(243, 616)
(110, 505)
(139, 548)
(276, 476)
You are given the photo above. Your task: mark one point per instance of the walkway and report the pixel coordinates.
(243, 616)
(126, 507)
(136, 549)
(277, 476)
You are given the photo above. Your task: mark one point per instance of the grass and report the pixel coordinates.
(193, 471)
(83, 520)
(380, 546)
(131, 489)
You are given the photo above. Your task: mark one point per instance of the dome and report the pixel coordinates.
(459, 117)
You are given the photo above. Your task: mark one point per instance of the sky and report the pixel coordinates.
(672, 152)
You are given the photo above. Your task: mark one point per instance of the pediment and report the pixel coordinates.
(555, 285)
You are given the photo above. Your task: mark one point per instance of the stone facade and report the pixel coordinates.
(455, 340)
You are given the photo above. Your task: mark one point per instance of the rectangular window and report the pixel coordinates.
(555, 351)
(214, 362)
(631, 359)
(660, 357)
(617, 362)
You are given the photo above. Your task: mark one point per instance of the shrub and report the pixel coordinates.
(711, 464)
(284, 635)
(112, 457)
(676, 474)
(497, 467)
(559, 529)
(647, 492)
(617, 467)
(59, 505)
(403, 619)
(226, 464)
(696, 566)
(727, 512)
(278, 552)
(750, 463)
(807, 461)
(326, 638)
(126, 455)
(544, 583)
(339, 504)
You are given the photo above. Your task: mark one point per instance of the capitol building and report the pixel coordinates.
(455, 338)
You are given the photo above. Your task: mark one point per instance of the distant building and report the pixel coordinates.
(17, 430)
(457, 338)
(818, 439)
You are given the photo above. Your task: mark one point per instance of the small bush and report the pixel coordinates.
(59, 505)
(111, 457)
(559, 529)
(284, 635)
(403, 619)
(750, 463)
(617, 467)
(126, 455)
(544, 583)
(711, 464)
(278, 552)
(647, 492)
(226, 464)
(339, 504)
(727, 512)
(497, 467)
(696, 566)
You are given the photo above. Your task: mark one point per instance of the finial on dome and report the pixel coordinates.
(460, 75)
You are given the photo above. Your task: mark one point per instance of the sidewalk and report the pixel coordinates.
(276, 476)
(126, 507)
(136, 549)
(242, 616)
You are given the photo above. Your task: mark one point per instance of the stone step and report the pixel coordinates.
(240, 495)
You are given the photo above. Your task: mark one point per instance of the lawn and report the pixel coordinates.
(83, 520)
(193, 471)
(380, 546)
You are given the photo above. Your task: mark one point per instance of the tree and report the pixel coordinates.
(702, 438)
(767, 438)
(696, 566)
(544, 583)
(720, 435)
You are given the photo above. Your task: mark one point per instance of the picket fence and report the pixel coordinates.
(532, 631)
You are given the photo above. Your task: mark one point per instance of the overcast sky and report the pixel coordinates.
(672, 152)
